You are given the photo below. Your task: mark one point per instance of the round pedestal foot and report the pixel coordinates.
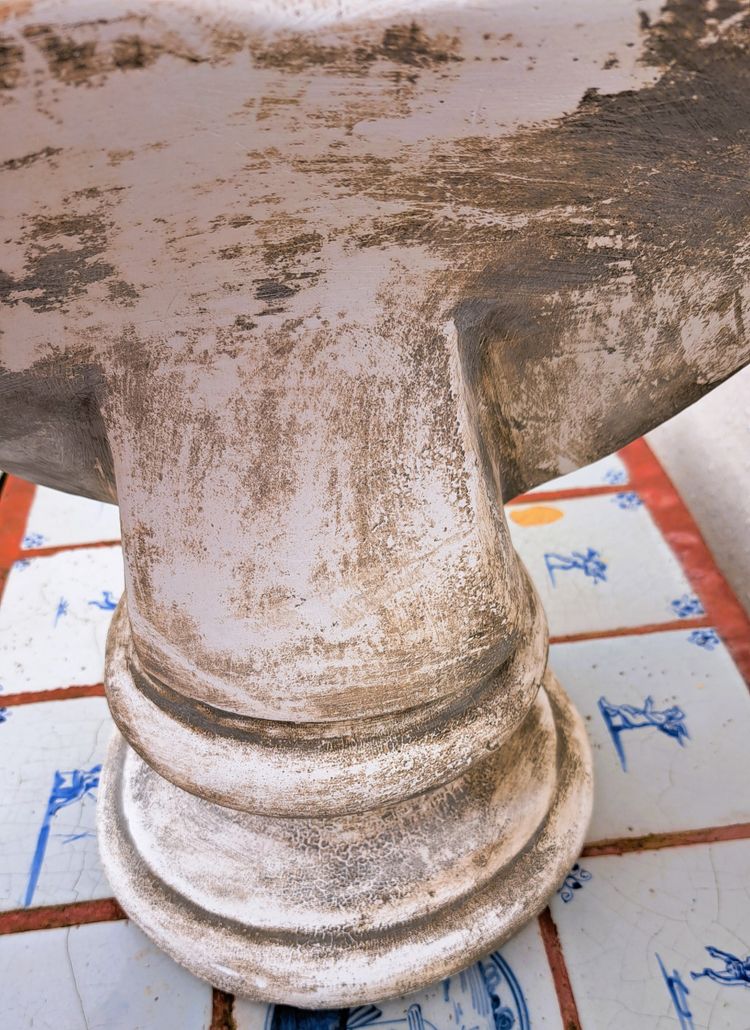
(339, 910)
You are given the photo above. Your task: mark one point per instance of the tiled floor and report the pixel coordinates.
(651, 929)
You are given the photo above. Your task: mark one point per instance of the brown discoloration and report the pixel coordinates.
(11, 61)
(77, 60)
(408, 45)
(14, 163)
(64, 258)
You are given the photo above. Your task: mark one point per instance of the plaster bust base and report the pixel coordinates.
(341, 910)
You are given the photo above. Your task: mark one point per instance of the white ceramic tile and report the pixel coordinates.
(598, 563)
(609, 471)
(54, 618)
(692, 772)
(103, 976)
(57, 519)
(50, 758)
(637, 911)
(510, 990)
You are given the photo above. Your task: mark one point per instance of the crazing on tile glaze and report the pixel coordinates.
(310, 289)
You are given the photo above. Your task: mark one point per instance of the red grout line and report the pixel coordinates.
(30, 697)
(46, 552)
(15, 505)
(51, 917)
(572, 493)
(681, 532)
(675, 839)
(631, 631)
(222, 1011)
(553, 948)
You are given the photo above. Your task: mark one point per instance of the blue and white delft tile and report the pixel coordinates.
(661, 940)
(54, 618)
(57, 519)
(50, 758)
(597, 566)
(684, 762)
(609, 471)
(509, 990)
(103, 976)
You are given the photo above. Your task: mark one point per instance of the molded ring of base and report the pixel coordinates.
(355, 945)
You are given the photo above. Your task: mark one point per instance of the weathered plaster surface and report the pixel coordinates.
(310, 290)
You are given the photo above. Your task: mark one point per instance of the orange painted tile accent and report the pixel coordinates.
(50, 917)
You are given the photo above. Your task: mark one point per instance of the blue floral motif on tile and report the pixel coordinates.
(628, 500)
(32, 540)
(687, 607)
(590, 564)
(4, 715)
(706, 638)
(487, 996)
(678, 994)
(619, 718)
(736, 971)
(574, 881)
(22, 563)
(615, 477)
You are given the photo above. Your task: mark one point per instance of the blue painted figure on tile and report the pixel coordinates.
(574, 881)
(678, 993)
(736, 971)
(67, 788)
(107, 602)
(590, 564)
(619, 718)
(486, 996)
(62, 609)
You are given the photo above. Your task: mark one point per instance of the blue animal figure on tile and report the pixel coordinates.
(67, 788)
(736, 971)
(678, 993)
(107, 602)
(590, 564)
(487, 996)
(619, 718)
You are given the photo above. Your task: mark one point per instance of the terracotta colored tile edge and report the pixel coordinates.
(632, 631)
(571, 493)
(48, 552)
(222, 1011)
(682, 534)
(28, 697)
(51, 917)
(672, 839)
(556, 959)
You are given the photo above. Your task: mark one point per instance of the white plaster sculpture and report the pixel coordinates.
(309, 289)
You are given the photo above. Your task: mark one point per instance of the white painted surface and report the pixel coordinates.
(461, 1001)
